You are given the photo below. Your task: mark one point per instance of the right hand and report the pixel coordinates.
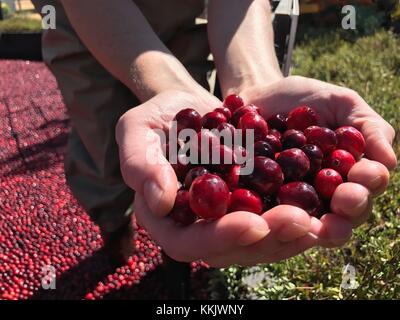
(237, 238)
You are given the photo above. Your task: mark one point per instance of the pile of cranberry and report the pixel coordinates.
(296, 162)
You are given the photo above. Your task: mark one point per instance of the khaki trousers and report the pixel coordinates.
(95, 101)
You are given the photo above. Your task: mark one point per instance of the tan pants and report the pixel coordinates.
(95, 100)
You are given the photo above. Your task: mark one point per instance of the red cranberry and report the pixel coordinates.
(326, 182)
(351, 140)
(341, 161)
(227, 133)
(293, 139)
(181, 212)
(225, 111)
(188, 119)
(245, 200)
(294, 163)
(213, 119)
(232, 177)
(322, 137)
(275, 133)
(209, 196)
(274, 142)
(221, 158)
(193, 174)
(242, 111)
(203, 144)
(233, 102)
(262, 148)
(266, 177)
(302, 117)
(299, 194)
(315, 155)
(254, 121)
(278, 122)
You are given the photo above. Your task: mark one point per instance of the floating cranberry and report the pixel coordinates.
(351, 140)
(302, 117)
(299, 194)
(278, 122)
(253, 121)
(266, 177)
(181, 212)
(293, 139)
(213, 119)
(209, 196)
(326, 182)
(245, 200)
(294, 163)
(322, 137)
(341, 161)
(233, 102)
(188, 119)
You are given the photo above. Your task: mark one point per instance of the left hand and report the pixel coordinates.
(337, 106)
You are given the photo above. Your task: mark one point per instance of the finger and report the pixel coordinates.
(379, 136)
(352, 201)
(203, 238)
(287, 222)
(371, 174)
(331, 230)
(143, 165)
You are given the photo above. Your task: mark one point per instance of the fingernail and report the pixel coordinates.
(258, 229)
(313, 235)
(304, 229)
(361, 207)
(375, 183)
(153, 195)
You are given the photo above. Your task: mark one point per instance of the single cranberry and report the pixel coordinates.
(299, 194)
(315, 155)
(245, 200)
(341, 161)
(181, 212)
(233, 102)
(227, 133)
(232, 177)
(263, 148)
(202, 145)
(266, 177)
(278, 122)
(326, 182)
(294, 163)
(301, 118)
(193, 174)
(239, 154)
(253, 121)
(275, 133)
(293, 139)
(188, 119)
(274, 142)
(225, 111)
(242, 111)
(213, 119)
(322, 137)
(351, 140)
(209, 196)
(181, 166)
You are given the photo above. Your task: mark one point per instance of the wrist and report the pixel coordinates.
(154, 72)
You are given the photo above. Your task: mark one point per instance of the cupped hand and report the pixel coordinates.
(237, 238)
(337, 106)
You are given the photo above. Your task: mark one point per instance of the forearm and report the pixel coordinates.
(122, 40)
(242, 42)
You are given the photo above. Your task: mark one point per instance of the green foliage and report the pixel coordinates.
(6, 10)
(370, 65)
(20, 23)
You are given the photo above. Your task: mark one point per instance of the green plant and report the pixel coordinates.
(6, 10)
(20, 23)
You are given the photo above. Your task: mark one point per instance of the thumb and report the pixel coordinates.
(145, 169)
